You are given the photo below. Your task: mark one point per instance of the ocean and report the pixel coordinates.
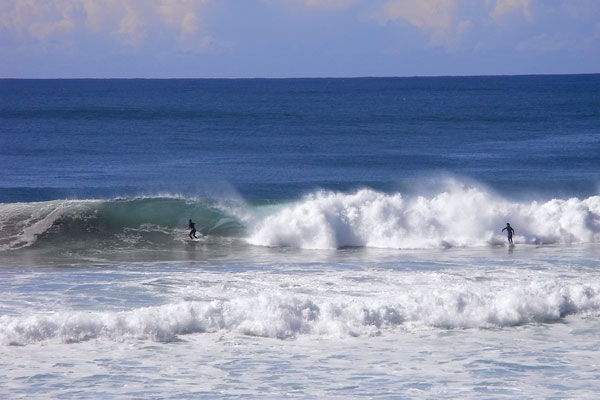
(351, 241)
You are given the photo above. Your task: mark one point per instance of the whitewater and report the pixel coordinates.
(267, 322)
(280, 309)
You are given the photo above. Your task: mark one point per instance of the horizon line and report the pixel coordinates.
(309, 77)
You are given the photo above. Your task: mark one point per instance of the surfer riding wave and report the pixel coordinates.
(192, 228)
(509, 230)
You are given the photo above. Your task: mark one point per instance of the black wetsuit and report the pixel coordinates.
(192, 226)
(509, 230)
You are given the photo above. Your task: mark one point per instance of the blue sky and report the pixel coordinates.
(296, 38)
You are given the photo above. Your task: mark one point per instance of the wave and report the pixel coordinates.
(459, 215)
(117, 222)
(283, 316)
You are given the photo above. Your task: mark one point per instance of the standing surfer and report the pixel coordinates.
(509, 230)
(192, 228)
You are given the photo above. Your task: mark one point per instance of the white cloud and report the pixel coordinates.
(25, 18)
(436, 17)
(128, 20)
(182, 15)
(504, 7)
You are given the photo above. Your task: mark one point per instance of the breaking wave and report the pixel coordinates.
(280, 315)
(113, 223)
(458, 216)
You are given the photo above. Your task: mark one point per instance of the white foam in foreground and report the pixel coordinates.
(458, 217)
(280, 315)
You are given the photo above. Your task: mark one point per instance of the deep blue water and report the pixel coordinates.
(277, 139)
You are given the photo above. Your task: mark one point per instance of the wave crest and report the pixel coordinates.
(459, 217)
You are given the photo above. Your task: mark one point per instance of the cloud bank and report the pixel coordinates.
(297, 37)
(128, 21)
(435, 17)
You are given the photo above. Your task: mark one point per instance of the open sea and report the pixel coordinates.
(351, 247)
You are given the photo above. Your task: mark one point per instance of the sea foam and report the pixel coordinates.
(459, 217)
(283, 315)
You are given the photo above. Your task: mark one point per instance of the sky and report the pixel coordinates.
(296, 38)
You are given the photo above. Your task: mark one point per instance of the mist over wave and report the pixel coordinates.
(458, 215)
(285, 315)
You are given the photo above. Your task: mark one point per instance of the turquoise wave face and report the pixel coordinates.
(116, 223)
